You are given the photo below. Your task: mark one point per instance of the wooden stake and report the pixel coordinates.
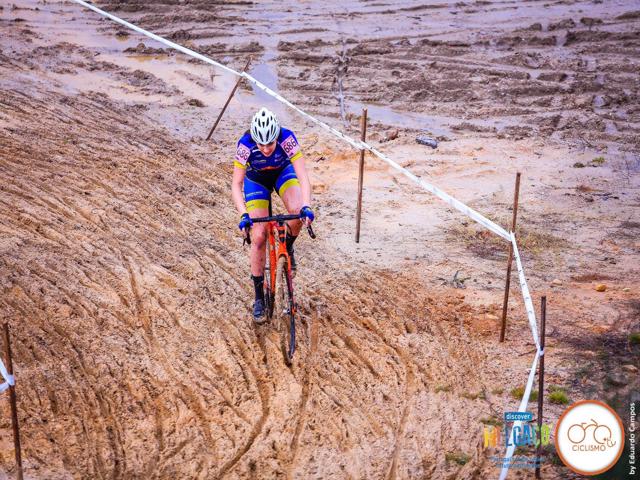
(508, 282)
(12, 399)
(363, 136)
(233, 92)
(541, 385)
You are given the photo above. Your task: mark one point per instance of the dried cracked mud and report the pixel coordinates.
(127, 288)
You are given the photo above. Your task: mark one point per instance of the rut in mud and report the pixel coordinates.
(128, 291)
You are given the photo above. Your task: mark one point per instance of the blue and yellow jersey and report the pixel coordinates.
(249, 157)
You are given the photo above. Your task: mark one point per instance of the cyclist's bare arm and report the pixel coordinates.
(303, 178)
(236, 189)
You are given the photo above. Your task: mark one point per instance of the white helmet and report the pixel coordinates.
(264, 127)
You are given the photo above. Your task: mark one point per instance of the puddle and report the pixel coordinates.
(610, 128)
(266, 73)
(535, 73)
(396, 118)
(599, 105)
(433, 124)
(142, 58)
(598, 101)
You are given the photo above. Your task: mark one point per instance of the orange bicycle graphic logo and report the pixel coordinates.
(589, 437)
(600, 433)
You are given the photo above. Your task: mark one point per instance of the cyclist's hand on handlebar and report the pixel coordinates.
(245, 222)
(307, 213)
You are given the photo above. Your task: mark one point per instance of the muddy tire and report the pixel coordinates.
(269, 296)
(284, 310)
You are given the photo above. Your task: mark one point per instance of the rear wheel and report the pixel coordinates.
(285, 310)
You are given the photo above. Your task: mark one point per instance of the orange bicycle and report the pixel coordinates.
(279, 267)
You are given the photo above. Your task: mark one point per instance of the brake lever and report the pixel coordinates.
(247, 237)
(310, 230)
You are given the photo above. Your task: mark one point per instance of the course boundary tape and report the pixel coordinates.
(460, 206)
(497, 229)
(9, 380)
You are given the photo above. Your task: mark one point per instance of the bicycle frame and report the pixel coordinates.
(276, 229)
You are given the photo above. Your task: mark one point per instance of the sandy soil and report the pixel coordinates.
(127, 288)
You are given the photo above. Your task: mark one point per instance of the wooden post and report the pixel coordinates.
(510, 261)
(363, 136)
(12, 399)
(233, 92)
(541, 385)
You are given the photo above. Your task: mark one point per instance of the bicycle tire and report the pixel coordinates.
(581, 439)
(608, 437)
(269, 296)
(286, 310)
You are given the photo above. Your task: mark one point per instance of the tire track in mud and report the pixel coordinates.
(370, 324)
(261, 380)
(408, 397)
(402, 424)
(265, 400)
(307, 385)
(185, 392)
(169, 320)
(92, 395)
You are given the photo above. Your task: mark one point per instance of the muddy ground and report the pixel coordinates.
(127, 288)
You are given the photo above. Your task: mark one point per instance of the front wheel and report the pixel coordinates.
(286, 310)
(269, 296)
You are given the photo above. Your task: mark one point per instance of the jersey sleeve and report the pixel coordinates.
(291, 146)
(242, 155)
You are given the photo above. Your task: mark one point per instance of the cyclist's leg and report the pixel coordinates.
(256, 197)
(288, 187)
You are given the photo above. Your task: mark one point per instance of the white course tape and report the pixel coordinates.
(528, 304)
(470, 212)
(9, 380)
(523, 408)
(531, 314)
(482, 220)
(277, 96)
(354, 143)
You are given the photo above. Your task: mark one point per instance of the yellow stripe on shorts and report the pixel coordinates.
(255, 204)
(283, 188)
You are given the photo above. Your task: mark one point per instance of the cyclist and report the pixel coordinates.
(268, 157)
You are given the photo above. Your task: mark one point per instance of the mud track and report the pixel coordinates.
(127, 288)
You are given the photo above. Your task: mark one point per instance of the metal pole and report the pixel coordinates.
(12, 399)
(541, 385)
(363, 137)
(226, 104)
(508, 282)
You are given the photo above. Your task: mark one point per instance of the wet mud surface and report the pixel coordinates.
(127, 289)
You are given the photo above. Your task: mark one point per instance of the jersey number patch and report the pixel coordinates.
(290, 146)
(242, 154)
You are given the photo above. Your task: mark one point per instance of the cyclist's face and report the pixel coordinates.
(267, 149)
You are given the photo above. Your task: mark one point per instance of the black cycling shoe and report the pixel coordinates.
(258, 311)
